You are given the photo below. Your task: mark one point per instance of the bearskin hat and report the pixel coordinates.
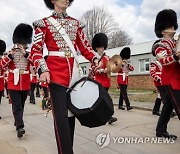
(99, 40)
(125, 53)
(165, 19)
(50, 5)
(2, 47)
(22, 34)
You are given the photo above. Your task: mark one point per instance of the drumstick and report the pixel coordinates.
(92, 69)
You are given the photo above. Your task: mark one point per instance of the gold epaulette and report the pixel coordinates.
(81, 25)
(39, 23)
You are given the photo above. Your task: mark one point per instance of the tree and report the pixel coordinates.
(98, 20)
(118, 39)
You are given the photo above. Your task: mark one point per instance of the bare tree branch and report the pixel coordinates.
(98, 20)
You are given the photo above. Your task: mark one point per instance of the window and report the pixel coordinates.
(144, 65)
(84, 70)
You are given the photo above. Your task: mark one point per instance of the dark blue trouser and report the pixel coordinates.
(64, 126)
(123, 95)
(18, 100)
(33, 86)
(166, 109)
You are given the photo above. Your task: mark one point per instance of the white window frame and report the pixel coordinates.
(84, 69)
(144, 63)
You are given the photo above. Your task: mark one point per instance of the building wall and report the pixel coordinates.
(134, 61)
(136, 82)
(138, 79)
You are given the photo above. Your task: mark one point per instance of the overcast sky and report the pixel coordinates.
(136, 17)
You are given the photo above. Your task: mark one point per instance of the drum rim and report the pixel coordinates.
(77, 82)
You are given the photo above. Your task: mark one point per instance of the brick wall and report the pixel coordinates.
(137, 82)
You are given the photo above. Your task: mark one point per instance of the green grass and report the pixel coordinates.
(140, 95)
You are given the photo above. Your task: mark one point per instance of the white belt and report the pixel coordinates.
(66, 54)
(122, 74)
(17, 73)
(20, 71)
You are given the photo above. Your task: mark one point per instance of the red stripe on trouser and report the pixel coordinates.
(56, 129)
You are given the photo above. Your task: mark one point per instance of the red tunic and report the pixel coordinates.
(44, 84)
(102, 78)
(2, 79)
(155, 72)
(21, 63)
(60, 68)
(164, 51)
(122, 77)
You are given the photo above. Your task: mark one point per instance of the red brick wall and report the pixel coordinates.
(137, 82)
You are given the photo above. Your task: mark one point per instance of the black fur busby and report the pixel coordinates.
(125, 53)
(22, 34)
(2, 47)
(165, 19)
(99, 40)
(50, 5)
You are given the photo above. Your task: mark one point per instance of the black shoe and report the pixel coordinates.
(173, 114)
(166, 135)
(129, 108)
(0, 117)
(32, 102)
(121, 107)
(112, 119)
(20, 132)
(156, 113)
(37, 95)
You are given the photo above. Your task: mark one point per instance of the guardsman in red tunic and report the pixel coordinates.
(122, 78)
(165, 51)
(33, 77)
(19, 75)
(2, 50)
(155, 72)
(57, 70)
(99, 44)
(6, 82)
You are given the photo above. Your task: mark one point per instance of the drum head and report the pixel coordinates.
(84, 95)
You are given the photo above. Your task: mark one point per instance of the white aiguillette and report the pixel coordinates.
(16, 76)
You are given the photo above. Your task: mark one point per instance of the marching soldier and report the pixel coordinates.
(99, 44)
(19, 75)
(122, 78)
(2, 50)
(63, 36)
(44, 86)
(33, 83)
(155, 72)
(165, 51)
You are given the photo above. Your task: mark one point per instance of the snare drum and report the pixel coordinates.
(90, 103)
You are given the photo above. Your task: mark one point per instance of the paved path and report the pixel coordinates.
(39, 137)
